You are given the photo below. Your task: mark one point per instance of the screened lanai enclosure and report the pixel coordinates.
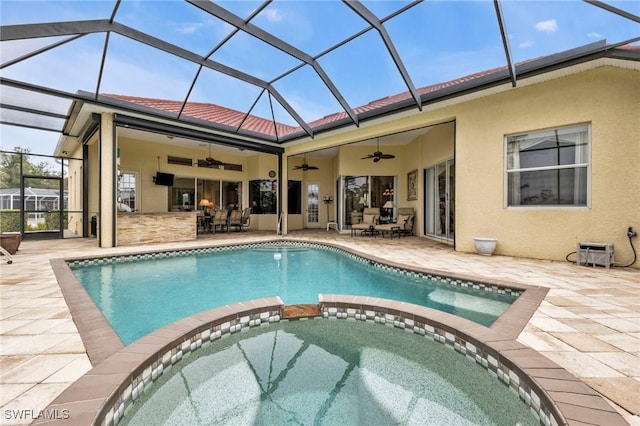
(258, 77)
(304, 67)
(34, 199)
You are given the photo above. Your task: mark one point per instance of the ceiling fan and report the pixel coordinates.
(304, 166)
(210, 161)
(377, 156)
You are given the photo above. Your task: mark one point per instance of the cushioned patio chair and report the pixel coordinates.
(403, 225)
(235, 220)
(370, 217)
(220, 220)
(246, 218)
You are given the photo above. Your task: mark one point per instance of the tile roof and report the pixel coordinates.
(233, 118)
(210, 112)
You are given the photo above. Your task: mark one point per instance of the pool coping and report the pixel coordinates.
(100, 339)
(554, 396)
(114, 364)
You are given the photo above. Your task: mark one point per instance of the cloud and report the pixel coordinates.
(595, 35)
(273, 15)
(549, 26)
(525, 44)
(189, 28)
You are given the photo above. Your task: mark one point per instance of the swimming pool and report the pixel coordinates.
(327, 372)
(141, 293)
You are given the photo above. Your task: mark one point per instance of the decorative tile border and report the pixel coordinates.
(411, 273)
(490, 350)
(105, 394)
(162, 361)
(111, 382)
(126, 375)
(545, 413)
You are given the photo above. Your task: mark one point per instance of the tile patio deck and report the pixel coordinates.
(589, 322)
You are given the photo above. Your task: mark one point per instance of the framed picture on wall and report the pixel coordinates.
(412, 185)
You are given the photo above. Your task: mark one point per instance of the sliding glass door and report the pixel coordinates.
(440, 200)
(359, 192)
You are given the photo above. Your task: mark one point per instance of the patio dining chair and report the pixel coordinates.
(220, 219)
(235, 220)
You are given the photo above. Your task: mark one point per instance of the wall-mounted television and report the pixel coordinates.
(165, 179)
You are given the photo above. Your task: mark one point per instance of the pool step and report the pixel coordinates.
(301, 311)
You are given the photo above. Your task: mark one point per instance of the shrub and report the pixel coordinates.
(9, 220)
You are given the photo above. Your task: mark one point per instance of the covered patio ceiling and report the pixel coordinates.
(272, 72)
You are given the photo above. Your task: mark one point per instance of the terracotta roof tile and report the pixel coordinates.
(233, 118)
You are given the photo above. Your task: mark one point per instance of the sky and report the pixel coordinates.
(436, 40)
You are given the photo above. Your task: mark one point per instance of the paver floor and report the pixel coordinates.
(589, 322)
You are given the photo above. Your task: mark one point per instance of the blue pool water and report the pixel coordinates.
(324, 372)
(139, 297)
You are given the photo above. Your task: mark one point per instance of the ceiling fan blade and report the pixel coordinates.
(312, 168)
(297, 167)
(213, 162)
(387, 156)
(375, 160)
(367, 157)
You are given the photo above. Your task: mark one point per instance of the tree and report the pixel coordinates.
(10, 169)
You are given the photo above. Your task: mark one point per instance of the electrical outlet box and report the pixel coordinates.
(595, 254)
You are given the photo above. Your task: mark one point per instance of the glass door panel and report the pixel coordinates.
(312, 218)
(355, 198)
(451, 200)
(439, 200)
(441, 194)
(231, 195)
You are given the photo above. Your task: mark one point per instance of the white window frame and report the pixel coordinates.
(587, 165)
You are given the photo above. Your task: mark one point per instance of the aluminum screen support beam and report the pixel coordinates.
(53, 29)
(270, 39)
(613, 9)
(505, 42)
(20, 32)
(373, 20)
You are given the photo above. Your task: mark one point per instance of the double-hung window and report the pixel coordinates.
(548, 167)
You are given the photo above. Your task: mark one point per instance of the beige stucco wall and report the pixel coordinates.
(609, 99)
(142, 157)
(605, 97)
(325, 178)
(429, 150)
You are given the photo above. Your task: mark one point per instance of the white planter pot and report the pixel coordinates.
(485, 246)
